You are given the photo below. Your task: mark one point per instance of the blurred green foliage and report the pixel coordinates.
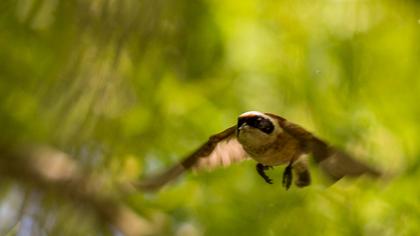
(129, 87)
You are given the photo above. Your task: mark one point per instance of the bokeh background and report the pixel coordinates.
(126, 88)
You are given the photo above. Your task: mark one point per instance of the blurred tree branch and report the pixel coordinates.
(56, 173)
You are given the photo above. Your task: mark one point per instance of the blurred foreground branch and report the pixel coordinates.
(55, 172)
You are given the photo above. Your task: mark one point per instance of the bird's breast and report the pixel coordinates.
(281, 151)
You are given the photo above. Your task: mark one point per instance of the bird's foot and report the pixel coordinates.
(287, 177)
(261, 171)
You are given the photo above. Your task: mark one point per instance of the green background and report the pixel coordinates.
(130, 87)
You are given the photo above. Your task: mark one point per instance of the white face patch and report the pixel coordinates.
(252, 113)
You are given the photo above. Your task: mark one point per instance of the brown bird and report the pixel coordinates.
(270, 140)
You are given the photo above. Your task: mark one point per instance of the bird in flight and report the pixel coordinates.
(270, 140)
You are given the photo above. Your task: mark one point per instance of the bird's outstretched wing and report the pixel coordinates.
(335, 163)
(221, 149)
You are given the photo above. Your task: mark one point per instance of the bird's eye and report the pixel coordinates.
(265, 125)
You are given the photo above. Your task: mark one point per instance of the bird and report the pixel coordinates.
(270, 140)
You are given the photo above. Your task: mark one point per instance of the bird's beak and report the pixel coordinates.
(241, 126)
(238, 130)
(241, 123)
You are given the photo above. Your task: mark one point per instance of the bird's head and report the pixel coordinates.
(257, 128)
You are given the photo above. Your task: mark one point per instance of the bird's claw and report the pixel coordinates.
(267, 179)
(261, 171)
(287, 177)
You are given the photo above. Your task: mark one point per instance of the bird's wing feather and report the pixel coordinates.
(221, 149)
(335, 163)
(226, 152)
(339, 164)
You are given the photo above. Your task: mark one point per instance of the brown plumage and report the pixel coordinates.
(270, 140)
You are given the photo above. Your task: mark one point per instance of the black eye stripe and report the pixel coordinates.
(258, 122)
